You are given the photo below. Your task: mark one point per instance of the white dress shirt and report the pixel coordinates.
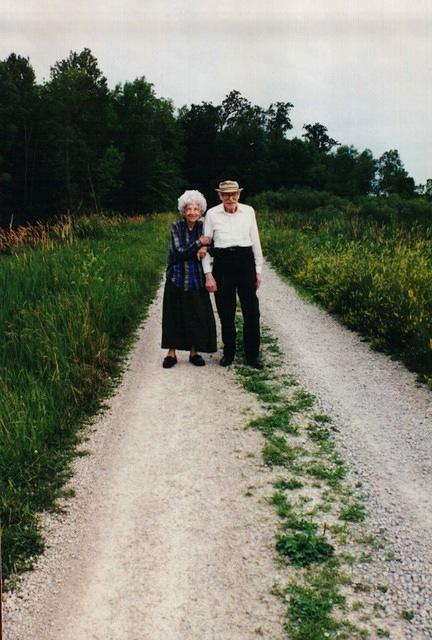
(237, 229)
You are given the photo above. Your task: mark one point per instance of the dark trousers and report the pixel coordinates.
(234, 272)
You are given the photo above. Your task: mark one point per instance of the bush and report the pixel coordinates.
(302, 200)
(378, 279)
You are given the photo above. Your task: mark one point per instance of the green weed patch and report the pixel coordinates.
(302, 549)
(332, 474)
(290, 484)
(277, 453)
(353, 513)
(310, 614)
(279, 420)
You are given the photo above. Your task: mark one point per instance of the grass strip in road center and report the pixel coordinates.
(69, 310)
(323, 539)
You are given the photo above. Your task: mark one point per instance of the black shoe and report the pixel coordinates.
(197, 360)
(169, 362)
(255, 364)
(225, 361)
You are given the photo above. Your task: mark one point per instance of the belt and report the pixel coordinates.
(237, 248)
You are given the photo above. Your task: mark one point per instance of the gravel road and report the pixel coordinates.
(162, 541)
(385, 432)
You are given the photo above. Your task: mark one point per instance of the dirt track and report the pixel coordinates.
(385, 433)
(161, 541)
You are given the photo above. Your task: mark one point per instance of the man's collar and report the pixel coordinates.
(228, 212)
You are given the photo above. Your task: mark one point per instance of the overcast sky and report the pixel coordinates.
(363, 68)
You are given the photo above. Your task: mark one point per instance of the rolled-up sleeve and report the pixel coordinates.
(208, 231)
(256, 244)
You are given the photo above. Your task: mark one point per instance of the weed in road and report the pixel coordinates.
(353, 513)
(280, 419)
(302, 549)
(290, 484)
(278, 453)
(407, 614)
(332, 474)
(310, 540)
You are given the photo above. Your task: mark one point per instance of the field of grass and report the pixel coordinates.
(376, 277)
(70, 306)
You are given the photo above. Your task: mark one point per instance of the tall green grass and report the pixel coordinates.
(69, 309)
(376, 277)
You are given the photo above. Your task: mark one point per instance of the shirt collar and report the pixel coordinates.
(239, 208)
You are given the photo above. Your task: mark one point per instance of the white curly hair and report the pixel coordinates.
(192, 197)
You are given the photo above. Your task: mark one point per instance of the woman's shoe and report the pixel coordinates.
(197, 360)
(169, 362)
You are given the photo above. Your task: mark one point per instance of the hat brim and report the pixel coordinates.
(229, 190)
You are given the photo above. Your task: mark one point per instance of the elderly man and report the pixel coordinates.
(237, 263)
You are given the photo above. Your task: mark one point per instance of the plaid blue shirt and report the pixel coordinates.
(184, 269)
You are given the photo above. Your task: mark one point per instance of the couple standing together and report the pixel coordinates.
(222, 255)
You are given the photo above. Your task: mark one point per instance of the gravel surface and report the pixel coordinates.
(384, 421)
(162, 542)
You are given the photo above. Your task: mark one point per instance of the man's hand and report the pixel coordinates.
(210, 283)
(258, 280)
(205, 240)
(202, 251)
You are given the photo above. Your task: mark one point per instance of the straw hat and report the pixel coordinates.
(229, 186)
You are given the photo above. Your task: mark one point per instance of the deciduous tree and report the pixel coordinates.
(392, 177)
(149, 138)
(316, 134)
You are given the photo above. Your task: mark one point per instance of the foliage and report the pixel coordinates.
(73, 130)
(316, 134)
(235, 138)
(148, 138)
(367, 261)
(392, 176)
(19, 114)
(73, 144)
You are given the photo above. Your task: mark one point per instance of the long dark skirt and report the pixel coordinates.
(187, 320)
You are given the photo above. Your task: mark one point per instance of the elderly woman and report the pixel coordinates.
(187, 319)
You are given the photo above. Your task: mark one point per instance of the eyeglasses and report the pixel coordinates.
(228, 196)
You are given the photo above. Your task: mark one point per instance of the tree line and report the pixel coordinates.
(73, 144)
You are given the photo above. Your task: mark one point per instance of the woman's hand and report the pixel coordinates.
(205, 240)
(202, 251)
(210, 283)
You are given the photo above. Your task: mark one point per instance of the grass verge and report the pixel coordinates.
(70, 307)
(376, 279)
